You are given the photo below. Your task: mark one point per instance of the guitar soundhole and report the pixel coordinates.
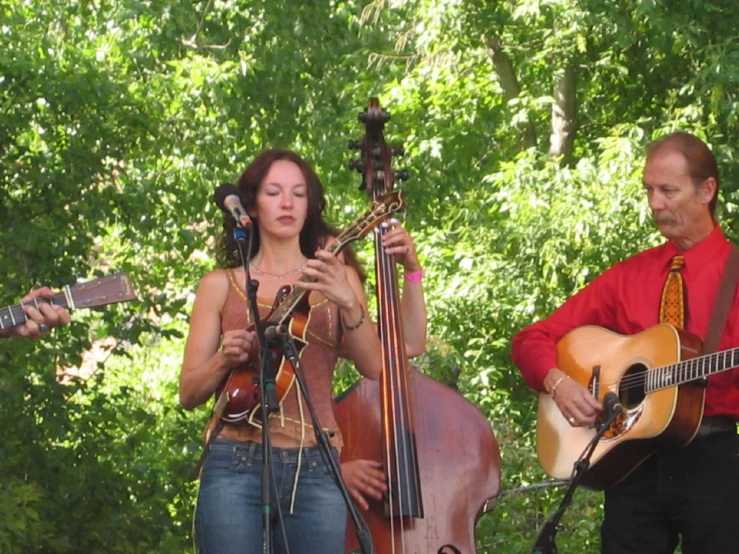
(631, 387)
(631, 394)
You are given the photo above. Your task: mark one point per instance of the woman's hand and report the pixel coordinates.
(237, 346)
(364, 478)
(330, 279)
(342, 286)
(399, 243)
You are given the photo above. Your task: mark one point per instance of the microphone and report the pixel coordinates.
(274, 332)
(611, 405)
(228, 198)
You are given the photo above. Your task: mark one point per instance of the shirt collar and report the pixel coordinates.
(699, 254)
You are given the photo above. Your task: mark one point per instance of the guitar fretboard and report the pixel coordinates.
(690, 370)
(11, 316)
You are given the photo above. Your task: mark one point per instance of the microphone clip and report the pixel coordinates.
(612, 409)
(275, 332)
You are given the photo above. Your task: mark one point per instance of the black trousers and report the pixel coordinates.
(690, 493)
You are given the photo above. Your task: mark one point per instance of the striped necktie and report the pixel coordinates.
(672, 308)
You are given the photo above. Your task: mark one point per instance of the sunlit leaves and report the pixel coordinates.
(120, 118)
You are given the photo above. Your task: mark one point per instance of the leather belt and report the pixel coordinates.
(716, 424)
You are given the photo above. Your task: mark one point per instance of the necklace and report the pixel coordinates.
(255, 268)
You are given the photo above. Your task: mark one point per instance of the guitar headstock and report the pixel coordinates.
(111, 289)
(375, 165)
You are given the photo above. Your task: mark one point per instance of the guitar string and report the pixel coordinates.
(18, 315)
(639, 380)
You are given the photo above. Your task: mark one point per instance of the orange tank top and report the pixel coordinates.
(318, 359)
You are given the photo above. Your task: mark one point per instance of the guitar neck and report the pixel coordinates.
(690, 370)
(110, 289)
(10, 316)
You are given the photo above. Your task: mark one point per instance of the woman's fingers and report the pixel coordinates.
(364, 478)
(238, 344)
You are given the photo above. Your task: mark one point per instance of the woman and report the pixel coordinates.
(285, 199)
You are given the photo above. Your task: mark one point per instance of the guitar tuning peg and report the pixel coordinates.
(355, 164)
(398, 151)
(355, 145)
(403, 175)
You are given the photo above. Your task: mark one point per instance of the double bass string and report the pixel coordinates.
(403, 462)
(390, 401)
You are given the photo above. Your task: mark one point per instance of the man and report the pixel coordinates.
(689, 493)
(38, 320)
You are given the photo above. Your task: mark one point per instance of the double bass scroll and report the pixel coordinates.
(438, 451)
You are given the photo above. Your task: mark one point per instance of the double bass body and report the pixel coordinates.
(458, 463)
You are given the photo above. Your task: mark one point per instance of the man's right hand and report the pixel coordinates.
(577, 405)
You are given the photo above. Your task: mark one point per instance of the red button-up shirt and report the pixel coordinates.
(626, 299)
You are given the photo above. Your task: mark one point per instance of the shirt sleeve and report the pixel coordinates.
(534, 348)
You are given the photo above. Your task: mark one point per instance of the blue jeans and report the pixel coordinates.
(228, 517)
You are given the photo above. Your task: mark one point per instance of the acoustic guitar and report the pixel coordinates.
(657, 375)
(111, 289)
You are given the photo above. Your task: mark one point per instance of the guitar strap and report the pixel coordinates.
(723, 302)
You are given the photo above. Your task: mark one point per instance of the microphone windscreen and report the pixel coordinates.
(223, 191)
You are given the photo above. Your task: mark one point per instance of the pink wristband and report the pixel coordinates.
(414, 277)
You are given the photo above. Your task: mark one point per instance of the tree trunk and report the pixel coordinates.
(562, 138)
(509, 83)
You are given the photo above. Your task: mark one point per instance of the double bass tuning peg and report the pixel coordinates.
(355, 165)
(403, 175)
(355, 145)
(398, 151)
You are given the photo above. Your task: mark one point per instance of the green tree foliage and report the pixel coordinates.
(120, 118)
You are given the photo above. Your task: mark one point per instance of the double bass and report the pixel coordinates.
(437, 449)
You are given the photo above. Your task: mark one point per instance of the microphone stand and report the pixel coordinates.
(266, 381)
(545, 541)
(291, 355)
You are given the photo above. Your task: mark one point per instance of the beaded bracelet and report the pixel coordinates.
(414, 276)
(356, 325)
(556, 384)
